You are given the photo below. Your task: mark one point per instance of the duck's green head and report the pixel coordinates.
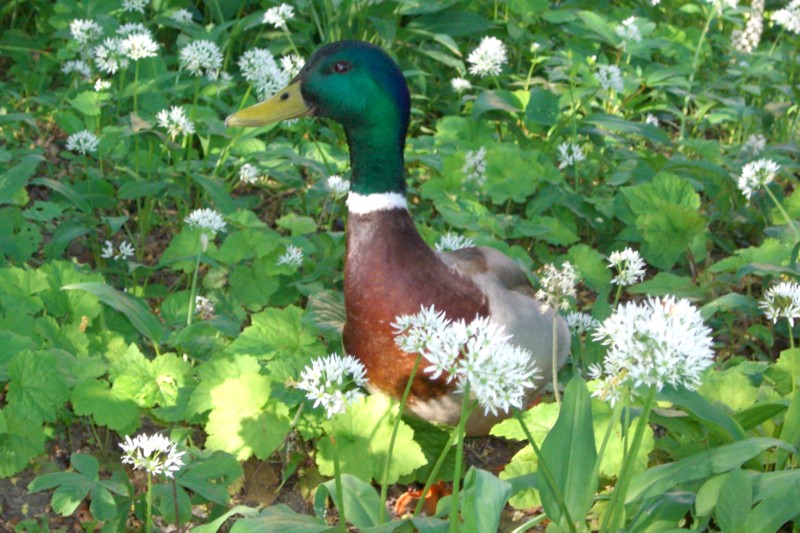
(358, 85)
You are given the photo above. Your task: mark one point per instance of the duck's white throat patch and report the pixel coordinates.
(361, 204)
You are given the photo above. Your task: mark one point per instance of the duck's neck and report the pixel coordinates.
(376, 159)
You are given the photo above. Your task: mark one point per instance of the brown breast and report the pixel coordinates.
(390, 271)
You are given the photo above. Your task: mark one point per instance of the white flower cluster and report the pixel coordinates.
(651, 119)
(475, 165)
(755, 143)
(175, 121)
(557, 286)
(201, 58)
(788, 17)
(135, 5)
(84, 31)
(155, 454)
(757, 174)
(203, 307)
(249, 174)
(333, 382)
(782, 300)
(460, 84)
(126, 251)
(629, 32)
(102, 85)
(206, 220)
(478, 354)
(337, 185)
(277, 16)
(488, 58)
(610, 78)
(569, 154)
(182, 16)
(293, 257)
(259, 67)
(452, 241)
(747, 40)
(629, 265)
(129, 28)
(83, 142)
(657, 343)
(139, 46)
(110, 56)
(580, 323)
(78, 66)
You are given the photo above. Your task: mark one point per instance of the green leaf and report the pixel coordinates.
(210, 476)
(592, 266)
(701, 465)
(620, 125)
(297, 224)
(498, 100)
(570, 453)
(775, 510)
(149, 383)
(13, 180)
(789, 362)
(243, 510)
(511, 173)
(729, 387)
(133, 308)
(106, 407)
(361, 501)
(542, 107)
(362, 435)
(21, 439)
(276, 518)
(89, 103)
(735, 499)
(482, 501)
(37, 388)
(703, 410)
(790, 433)
(214, 374)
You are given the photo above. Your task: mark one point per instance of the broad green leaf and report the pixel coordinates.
(789, 362)
(511, 173)
(13, 180)
(362, 435)
(297, 224)
(735, 499)
(214, 374)
(133, 308)
(253, 285)
(497, 100)
(701, 465)
(482, 501)
(658, 515)
(542, 107)
(591, 265)
(774, 511)
(150, 383)
(89, 103)
(37, 388)
(21, 439)
(729, 387)
(211, 475)
(599, 25)
(570, 453)
(620, 125)
(242, 510)
(275, 518)
(247, 244)
(361, 501)
(106, 407)
(703, 410)
(790, 433)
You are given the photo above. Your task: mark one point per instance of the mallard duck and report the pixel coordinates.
(389, 269)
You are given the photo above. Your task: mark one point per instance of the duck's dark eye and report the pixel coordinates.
(341, 67)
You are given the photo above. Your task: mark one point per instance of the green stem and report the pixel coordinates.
(390, 451)
(615, 416)
(555, 358)
(454, 521)
(617, 296)
(337, 475)
(692, 74)
(615, 515)
(545, 471)
(193, 289)
(435, 471)
(791, 342)
(789, 220)
(148, 522)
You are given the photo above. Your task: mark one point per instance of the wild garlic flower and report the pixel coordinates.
(155, 454)
(135, 5)
(83, 142)
(788, 17)
(782, 300)
(569, 154)
(488, 58)
(110, 56)
(610, 78)
(126, 251)
(249, 174)
(580, 323)
(660, 342)
(206, 220)
(183, 16)
(757, 174)
(77, 66)
(130, 28)
(478, 354)
(333, 382)
(452, 241)
(292, 64)
(203, 307)
(755, 144)
(629, 265)
(460, 84)
(201, 58)
(557, 286)
(475, 165)
(175, 121)
(139, 46)
(259, 67)
(337, 185)
(629, 32)
(277, 16)
(102, 85)
(747, 40)
(84, 31)
(652, 120)
(293, 257)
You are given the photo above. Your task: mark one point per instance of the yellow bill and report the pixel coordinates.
(286, 104)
